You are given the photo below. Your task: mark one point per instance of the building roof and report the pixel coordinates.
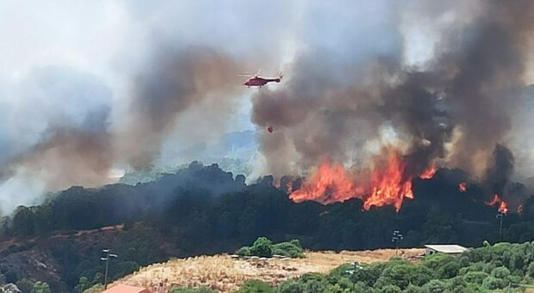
(448, 248)
(121, 288)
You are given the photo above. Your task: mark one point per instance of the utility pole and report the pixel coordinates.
(396, 238)
(500, 215)
(108, 254)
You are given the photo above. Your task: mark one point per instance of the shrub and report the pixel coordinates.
(262, 247)
(289, 249)
(291, 286)
(41, 287)
(434, 286)
(243, 251)
(493, 283)
(95, 289)
(83, 285)
(390, 289)
(398, 273)
(25, 285)
(422, 276)
(475, 277)
(448, 270)
(255, 286)
(500, 273)
(441, 264)
(361, 287)
(457, 284)
(531, 269)
(412, 289)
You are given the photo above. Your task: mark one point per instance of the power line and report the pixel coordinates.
(109, 255)
(396, 238)
(500, 215)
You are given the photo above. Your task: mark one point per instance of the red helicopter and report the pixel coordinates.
(261, 81)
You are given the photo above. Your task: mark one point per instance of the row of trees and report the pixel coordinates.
(264, 247)
(205, 202)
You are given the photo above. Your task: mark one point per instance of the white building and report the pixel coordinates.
(451, 249)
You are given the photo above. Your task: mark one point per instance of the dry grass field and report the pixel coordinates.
(224, 273)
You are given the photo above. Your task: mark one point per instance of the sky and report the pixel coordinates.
(60, 59)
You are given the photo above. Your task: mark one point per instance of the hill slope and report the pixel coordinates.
(224, 273)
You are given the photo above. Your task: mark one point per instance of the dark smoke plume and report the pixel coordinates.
(65, 156)
(84, 153)
(452, 111)
(173, 81)
(500, 170)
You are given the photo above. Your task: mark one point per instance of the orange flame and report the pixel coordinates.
(278, 185)
(503, 207)
(429, 173)
(462, 187)
(389, 186)
(496, 200)
(331, 182)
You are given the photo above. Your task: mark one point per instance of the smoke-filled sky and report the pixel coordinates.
(91, 87)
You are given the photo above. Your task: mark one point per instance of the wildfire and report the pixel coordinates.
(462, 187)
(331, 182)
(278, 185)
(429, 173)
(388, 186)
(503, 206)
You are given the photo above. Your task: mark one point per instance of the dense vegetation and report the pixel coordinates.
(501, 266)
(263, 247)
(203, 210)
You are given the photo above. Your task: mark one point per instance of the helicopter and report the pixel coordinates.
(261, 81)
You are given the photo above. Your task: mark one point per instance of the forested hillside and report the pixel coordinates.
(204, 210)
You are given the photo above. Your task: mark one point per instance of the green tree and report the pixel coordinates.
(493, 283)
(361, 287)
(95, 289)
(500, 273)
(243, 251)
(291, 286)
(41, 287)
(412, 289)
(255, 286)
(390, 289)
(530, 270)
(83, 285)
(23, 221)
(25, 285)
(475, 277)
(262, 247)
(434, 286)
(448, 270)
(289, 249)
(398, 273)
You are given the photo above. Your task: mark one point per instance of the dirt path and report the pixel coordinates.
(224, 273)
